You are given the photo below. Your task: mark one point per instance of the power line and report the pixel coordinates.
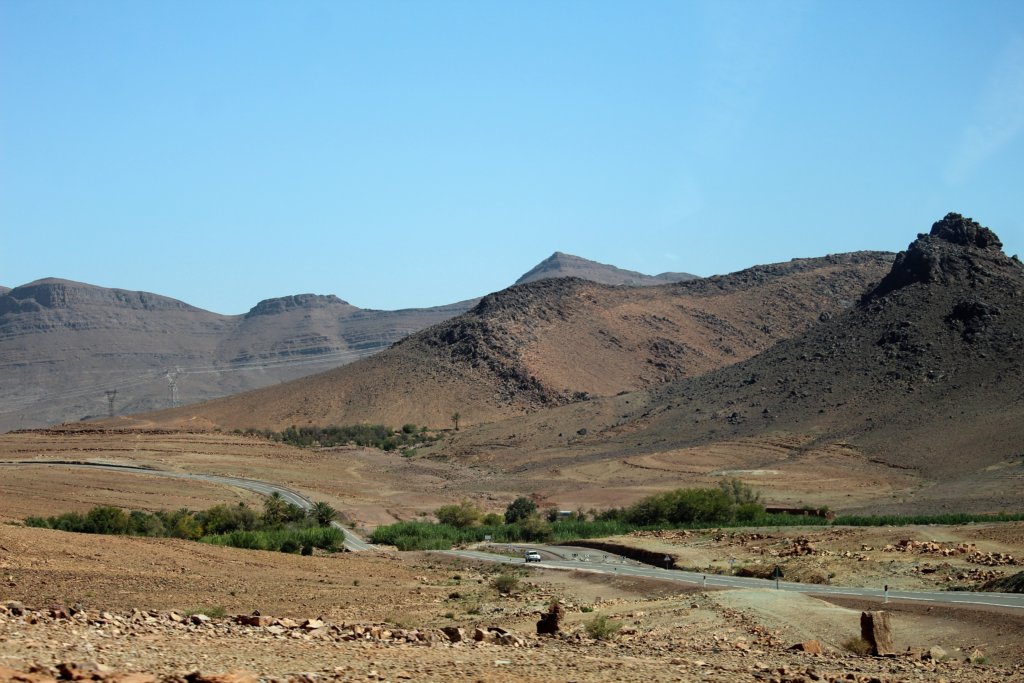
(111, 395)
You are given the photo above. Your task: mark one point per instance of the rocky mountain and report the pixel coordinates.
(65, 345)
(566, 265)
(556, 341)
(925, 372)
(913, 398)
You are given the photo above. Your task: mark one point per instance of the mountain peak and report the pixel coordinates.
(956, 250)
(561, 264)
(966, 232)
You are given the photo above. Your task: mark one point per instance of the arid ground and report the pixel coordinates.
(402, 601)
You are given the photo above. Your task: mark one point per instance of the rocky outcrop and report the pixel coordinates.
(303, 301)
(957, 248)
(876, 631)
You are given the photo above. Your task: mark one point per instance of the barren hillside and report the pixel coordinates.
(65, 344)
(555, 341)
(914, 396)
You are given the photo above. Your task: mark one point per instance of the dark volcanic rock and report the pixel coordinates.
(952, 250)
(924, 374)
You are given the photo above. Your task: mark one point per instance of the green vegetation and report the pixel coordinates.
(415, 535)
(283, 540)
(601, 628)
(282, 526)
(463, 515)
(731, 504)
(905, 520)
(519, 509)
(505, 583)
(857, 646)
(373, 436)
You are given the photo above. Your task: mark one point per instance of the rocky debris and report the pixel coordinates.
(151, 621)
(992, 559)
(663, 534)
(1007, 584)
(550, 621)
(737, 649)
(14, 607)
(930, 548)
(454, 634)
(974, 575)
(968, 550)
(798, 548)
(809, 646)
(876, 630)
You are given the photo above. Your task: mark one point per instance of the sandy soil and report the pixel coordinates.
(666, 634)
(942, 557)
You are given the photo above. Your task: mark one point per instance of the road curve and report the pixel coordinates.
(606, 563)
(352, 541)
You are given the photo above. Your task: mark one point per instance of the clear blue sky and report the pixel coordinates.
(404, 154)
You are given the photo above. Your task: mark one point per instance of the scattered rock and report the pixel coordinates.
(15, 608)
(809, 646)
(454, 634)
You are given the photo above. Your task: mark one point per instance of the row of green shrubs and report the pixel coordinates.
(283, 540)
(370, 436)
(731, 504)
(419, 535)
(907, 520)
(281, 526)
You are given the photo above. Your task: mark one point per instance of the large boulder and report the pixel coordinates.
(876, 630)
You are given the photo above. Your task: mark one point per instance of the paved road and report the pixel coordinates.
(561, 557)
(352, 541)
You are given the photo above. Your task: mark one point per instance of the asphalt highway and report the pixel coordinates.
(589, 560)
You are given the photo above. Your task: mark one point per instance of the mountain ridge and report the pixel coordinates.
(554, 341)
(67, 343)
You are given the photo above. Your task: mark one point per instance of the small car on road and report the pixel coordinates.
(532, 556)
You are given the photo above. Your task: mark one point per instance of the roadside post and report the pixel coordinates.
(777, 574)
(704, 581)
(885, 592)
(668, 561)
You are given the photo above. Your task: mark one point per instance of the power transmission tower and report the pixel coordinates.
(172, 381)
(111, 395)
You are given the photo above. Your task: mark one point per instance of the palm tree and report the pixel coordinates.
(323, 513)
(274, 509)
